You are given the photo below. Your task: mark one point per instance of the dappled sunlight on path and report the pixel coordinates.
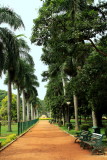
(47, 142)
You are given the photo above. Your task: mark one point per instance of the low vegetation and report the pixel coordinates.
(8, 139)
(45, 118)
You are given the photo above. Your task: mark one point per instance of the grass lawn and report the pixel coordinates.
(2, 139)
(4, 130)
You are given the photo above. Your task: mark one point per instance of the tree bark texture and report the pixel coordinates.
(18, 105)
(32, 112)
(23, 106)
(9, 104)
(94, 119)
(76, 112)
(28, 112)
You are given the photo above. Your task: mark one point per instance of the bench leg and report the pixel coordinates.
(76, 140)
(98, 150)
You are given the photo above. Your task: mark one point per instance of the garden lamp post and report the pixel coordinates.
(68, 104)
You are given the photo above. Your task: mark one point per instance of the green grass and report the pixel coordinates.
(2, 139)
(72, 131)
(4, 130)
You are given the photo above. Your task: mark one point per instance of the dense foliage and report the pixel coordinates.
(73, 35)
(3, 109)
(2, 95)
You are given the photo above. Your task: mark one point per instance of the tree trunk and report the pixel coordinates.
(64, 115)
(37, 114)
(9, 104)
(28, 112)
(68, 113)
(32, 112)
(76, 112)
(94, 119)
(99, 119)
(80, 120)
(64, 84)
(64, 118)
(23, 106)
(18, 105)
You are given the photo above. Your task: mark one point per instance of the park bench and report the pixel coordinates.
(94, 143)
(82, 136)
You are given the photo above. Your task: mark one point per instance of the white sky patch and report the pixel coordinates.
(28, 10)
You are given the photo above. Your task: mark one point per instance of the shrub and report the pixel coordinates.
(69, 126)
(85, 127)
(9, 138)
(45, 118)
(12, 136)
(5, 142)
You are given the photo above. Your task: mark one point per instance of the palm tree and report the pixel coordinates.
(19, 79)
(31, 95)
(31, 92)
(9, 49)
(25, 79)
(7, 16)
(23, 56)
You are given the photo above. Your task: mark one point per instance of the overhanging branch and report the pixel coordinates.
(99, 51)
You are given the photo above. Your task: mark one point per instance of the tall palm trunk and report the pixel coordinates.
(28, 112)
(65, 114)
(76, 112)
(37, 114)
(18, 104)
(9, 103)
(32, 112)
(23, 106)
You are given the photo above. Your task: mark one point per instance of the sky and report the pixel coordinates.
(28, 10)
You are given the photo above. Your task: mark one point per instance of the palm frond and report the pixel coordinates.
(8, 16)
(27, 57)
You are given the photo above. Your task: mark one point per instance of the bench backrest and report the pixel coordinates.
(84, 132)
(97, 138)
(84, 135)
(96, 135)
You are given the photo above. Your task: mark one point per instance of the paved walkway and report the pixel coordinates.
(47, 142)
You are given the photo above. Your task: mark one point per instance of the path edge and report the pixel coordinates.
(7, 145)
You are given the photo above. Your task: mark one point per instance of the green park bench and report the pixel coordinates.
(82, 136)
(94, 143)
